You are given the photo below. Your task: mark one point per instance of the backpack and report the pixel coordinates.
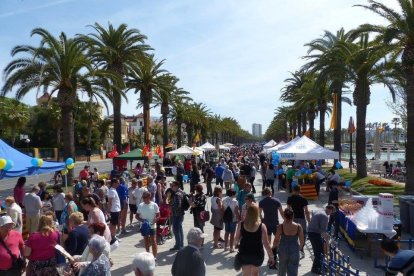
(228, 215)
(185, 205)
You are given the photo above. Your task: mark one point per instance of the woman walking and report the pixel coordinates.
(231, 216)
(40, 249)
(217, 215)
(251, 237)
(289, 239)
(198, 205)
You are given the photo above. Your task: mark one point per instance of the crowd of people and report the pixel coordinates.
(88, 223)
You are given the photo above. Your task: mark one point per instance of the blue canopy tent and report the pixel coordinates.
(22, 163)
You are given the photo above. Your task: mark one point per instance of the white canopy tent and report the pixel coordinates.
(306, 149)
(184, 150)
(281, 146)
(229, 145)
(207, 147)
(223, 147)
(275, 148)
(269, 144)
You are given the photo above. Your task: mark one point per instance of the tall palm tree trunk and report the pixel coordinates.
(89, 134)
(68, 137)
(299, 120)
(147, 121)
(322, 112)
(164, 112)
(303, 122)
(117, 122)
(408, 61)
(311, 116)
(179, 133)
(361, 100)
(337, 130)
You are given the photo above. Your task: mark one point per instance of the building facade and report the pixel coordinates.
(257, 130)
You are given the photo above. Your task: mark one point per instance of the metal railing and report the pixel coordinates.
(335, 263)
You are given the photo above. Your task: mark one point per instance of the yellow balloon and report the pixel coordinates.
(63, 172)
(3, 163)
(40, 163)
(71, 166)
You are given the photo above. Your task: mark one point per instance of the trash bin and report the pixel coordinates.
(405, 212)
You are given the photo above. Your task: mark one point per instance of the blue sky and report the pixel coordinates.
(232, 55)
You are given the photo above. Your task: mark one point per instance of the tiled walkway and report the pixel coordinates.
(219, 262)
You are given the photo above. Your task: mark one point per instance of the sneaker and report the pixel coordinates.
(175, 248)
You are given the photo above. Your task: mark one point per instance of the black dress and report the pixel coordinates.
(251, 250)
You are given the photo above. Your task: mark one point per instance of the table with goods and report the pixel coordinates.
(364, 219)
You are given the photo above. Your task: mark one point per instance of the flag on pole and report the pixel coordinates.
(334, 111)
(351, 125)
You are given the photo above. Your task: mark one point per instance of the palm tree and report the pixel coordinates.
(14, 116)
(59, 63)
(166, 96)
(365, 66)
(116, 50)
(395, 121)
(324, 60)
(179, 113)
(147, 78)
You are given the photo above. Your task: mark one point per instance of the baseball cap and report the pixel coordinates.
(195, 233)
(5, 220)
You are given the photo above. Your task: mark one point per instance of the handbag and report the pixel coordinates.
(205, 214)
(17, 262)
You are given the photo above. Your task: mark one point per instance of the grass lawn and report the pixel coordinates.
(362, 186)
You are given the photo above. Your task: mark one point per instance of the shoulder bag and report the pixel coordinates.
(205, 214)
(17, 262)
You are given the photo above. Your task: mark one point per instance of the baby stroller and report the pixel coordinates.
(164, 224)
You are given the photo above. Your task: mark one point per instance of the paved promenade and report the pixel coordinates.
(219, 262)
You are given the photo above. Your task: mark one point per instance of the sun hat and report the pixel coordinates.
(5, 220)
(195, 234)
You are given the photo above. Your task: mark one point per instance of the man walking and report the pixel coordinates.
(219, 173)
(317, 233)
(189, 261)
(114, 206)
(177, 210)
(32, 205)
(299, 205)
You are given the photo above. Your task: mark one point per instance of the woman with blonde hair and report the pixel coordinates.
(40, 249)
(251, 237)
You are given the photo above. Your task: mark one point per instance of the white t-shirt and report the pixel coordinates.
(116, 203)
(148, 212)
(232, 203)
(138, 194)
(131, 192)
(58, 202)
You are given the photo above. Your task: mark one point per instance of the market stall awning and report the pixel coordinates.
(207, 147)
(223, 147)
(136, 154)
(269, 144)
(306, 149)
(184, 150)
(22, 163)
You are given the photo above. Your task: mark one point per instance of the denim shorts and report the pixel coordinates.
(230, 227)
